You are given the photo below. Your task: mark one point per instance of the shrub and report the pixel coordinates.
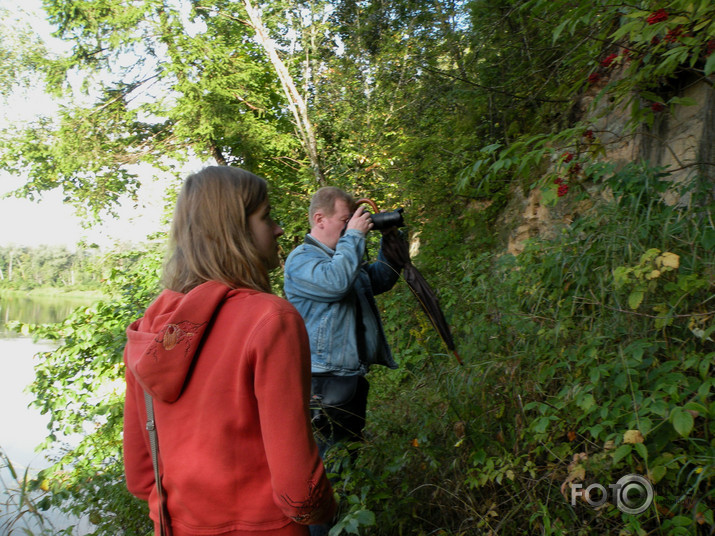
(587, 358)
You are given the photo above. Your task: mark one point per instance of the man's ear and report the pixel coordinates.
(318, 218)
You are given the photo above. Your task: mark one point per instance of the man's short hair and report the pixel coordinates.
(324, 199)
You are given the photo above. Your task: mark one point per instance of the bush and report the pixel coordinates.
(587, 358)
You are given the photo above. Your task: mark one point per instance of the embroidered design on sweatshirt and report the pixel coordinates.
(309, 509)
(173, 335)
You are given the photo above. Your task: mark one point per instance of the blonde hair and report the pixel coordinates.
(210, 238)
(324, 199)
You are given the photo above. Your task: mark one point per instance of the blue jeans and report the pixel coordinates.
(319, 530)
(344, 423)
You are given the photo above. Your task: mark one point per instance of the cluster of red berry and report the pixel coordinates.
(657, 16)
(563, 188)
(671, 36)
(573, 170)
(608, 60)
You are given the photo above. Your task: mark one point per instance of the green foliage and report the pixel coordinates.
(21, 51)
(80, 386)
(628, 58)
(20, 508)
(565, 382)
(587, 357)
(157, 88)
(25, 268)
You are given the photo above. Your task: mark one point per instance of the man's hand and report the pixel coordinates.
(360, 221)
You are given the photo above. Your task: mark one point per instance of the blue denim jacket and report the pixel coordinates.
(328, 287)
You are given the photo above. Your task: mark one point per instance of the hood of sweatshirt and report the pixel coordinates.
(162, 345)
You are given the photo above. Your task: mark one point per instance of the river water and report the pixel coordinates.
(23, 428)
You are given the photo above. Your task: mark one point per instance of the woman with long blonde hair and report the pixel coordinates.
(227, 366)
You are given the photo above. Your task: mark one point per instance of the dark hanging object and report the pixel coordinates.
(397, 252)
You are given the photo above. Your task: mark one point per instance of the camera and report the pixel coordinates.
(385, 220)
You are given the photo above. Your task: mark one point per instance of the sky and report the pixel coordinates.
(49, 221)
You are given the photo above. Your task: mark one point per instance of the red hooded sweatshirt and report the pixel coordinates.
(229, 372)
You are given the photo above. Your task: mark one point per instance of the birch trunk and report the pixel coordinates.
(295, 100)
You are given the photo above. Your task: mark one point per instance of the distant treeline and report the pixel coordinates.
(23, 267)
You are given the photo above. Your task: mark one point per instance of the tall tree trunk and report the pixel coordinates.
(295, 100)
(217, 153)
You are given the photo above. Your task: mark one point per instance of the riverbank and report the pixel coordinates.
(41, 306)
(52, 292)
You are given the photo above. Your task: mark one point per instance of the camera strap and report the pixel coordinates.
(164, 519)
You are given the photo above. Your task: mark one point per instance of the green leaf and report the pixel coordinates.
(681, 521)
(541, 424)
(695, 406)
(704, 368)
(683, 101)
(635, 299)
(596, 431)
(621, 275)
(682, 421)
(648, 95)
(657, 473)
(365, 517)
(490, 149)
(641, 450)
(646, 425)
(587, 402)
(623, 30)
(621, 452)
(708, 238)
(558, 30)
(548, 196)
(710, 64)
(637, 348)
(636, 14)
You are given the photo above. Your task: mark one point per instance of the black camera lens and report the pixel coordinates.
(385, 220)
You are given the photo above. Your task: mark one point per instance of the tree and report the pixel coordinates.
(447, 107)
(21, 53)
(295, 99)
(156, 88)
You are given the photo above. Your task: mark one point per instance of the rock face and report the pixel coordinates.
(681, 139)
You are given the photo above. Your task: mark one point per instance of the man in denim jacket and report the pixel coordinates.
(332, 287)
